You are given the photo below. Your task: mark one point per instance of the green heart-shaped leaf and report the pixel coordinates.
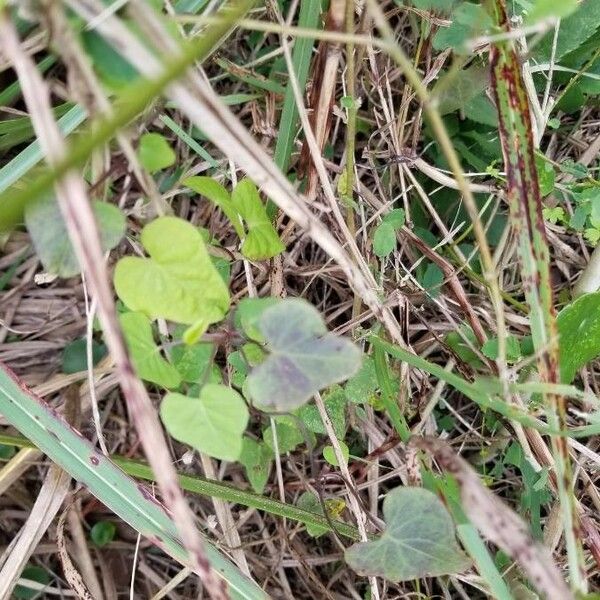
(51, 239)
(179, 282)
(213, 423)
(145, 354)
(303, 357)
(419, 540)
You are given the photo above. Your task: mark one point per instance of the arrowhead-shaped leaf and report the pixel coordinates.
(179, 282)
(419, 540)
(213, 423)
(303, 357)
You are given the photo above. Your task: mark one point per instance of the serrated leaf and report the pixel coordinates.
(213, 423)
(579, 334)
(51, 239)
(257, 458)
(396, 218)
(303, 357)
(178, 282)
(419, 540)
(384, 239)
(155, 153)
(261, 240)
(145, 354)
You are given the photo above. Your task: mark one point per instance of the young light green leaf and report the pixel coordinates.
(466, 85)
(384, 239)
(257, 458)
(218, 195)
(103, 532)
(248, 314)
(145, 354)
(193, 362)
(51, 240)
(178, 282)
(213, 423)
(579, 334)
(330, 456)
(155, 153)
(419, 540)
(261, 240)
(303, 357)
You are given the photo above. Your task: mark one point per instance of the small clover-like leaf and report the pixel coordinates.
(419, 540)
(303, 357)
(155, 153)
(213, 423)
(51, 239)
(261, 240)
(145, 354)
(179, 282)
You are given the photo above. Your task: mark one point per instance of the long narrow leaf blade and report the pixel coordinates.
(131, 501)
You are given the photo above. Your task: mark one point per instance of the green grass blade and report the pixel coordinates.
(128, 105)
(32, 155)
(218, 489)
(301, 56)
(131, 501)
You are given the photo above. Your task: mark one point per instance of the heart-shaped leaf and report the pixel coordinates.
(213, 423)
(51, 239)
(179, 282)
(419, 540)
(145, 354)
(155, 153)
(303, 357)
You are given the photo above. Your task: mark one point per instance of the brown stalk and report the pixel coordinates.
(322, 93)
(83, 232)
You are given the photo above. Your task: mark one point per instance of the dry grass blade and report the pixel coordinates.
(84, 234)
(206, 110)
(498, 523)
